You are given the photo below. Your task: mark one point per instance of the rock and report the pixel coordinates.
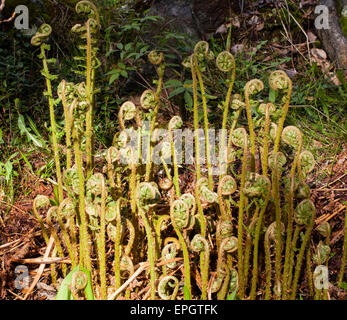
(333, 39)
(196, 18)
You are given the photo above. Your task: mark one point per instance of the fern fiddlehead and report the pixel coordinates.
(179, 213)
(252, 87)
(200, 244)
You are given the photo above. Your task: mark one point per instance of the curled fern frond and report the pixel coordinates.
(71, 180)
(179, 213)
(168, 288)
(112, 232)
(190, 201)
(279, 80)
(41, 35)
(225, 61)
(126, 112)
(175, 123)
(111, 211)
(253, 87)
(67, 208)
(304, 212)
(292, 135)
(229, 244)
(306, 162)
(147, 194)
(227, 186)
(95, 185)
(169, 252)
(112, 155)
(201, 50)
(271, 231)
(281, 160)
(204, 192)
(257, 186)
(148, 99)
(302, 190)
(155, 58)
(88, 8)
(322, 253)
(262, 108)
(126, 264)
(237, 103)
(239, 137)
(324, 229)
(79, 280)
(41, 202)
(199, 243)
(224, 229)
(165, 183)
(51, 216)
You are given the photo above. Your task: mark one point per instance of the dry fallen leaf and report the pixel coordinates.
(222, 29)
(311, 36)
(235, 22)
(237, 48)
(318, 54)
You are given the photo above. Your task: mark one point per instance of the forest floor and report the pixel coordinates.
(21, 240)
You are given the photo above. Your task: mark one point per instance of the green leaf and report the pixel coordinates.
(27, 161)
(176, 92)
(64, 292)
(173, 83)
(113, 78)
(188, 99)
(186, 293)
(23, 130)
(232, 296)
(1, 139)
(343, 285)
(124, 74)
(272, 95)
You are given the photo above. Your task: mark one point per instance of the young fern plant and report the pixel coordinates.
(88, 33)
(39, 39)
(201, 51)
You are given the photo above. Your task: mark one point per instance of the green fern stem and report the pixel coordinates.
(256, 246)
(204, 104)
(240, 220)
(85, 259)
(53, 124)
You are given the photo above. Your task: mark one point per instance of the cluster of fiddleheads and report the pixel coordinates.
(257, 219)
